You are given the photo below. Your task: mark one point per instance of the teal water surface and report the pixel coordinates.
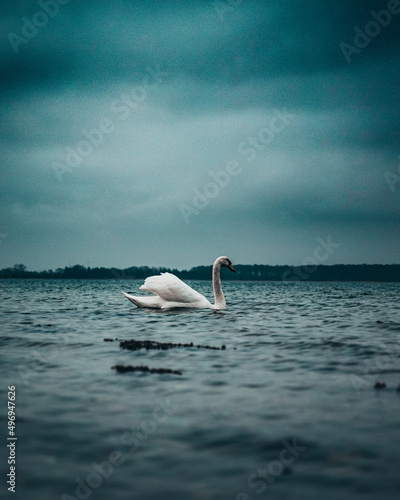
(287, 411)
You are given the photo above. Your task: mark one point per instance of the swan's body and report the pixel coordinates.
(170, 292)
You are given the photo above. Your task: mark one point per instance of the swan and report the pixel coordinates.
(169, 291)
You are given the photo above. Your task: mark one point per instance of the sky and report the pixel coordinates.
(169, 133)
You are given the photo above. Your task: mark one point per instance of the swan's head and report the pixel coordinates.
(225, 262)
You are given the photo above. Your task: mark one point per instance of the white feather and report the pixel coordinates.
(171, 289)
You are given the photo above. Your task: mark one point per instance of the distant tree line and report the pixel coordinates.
(338, 272)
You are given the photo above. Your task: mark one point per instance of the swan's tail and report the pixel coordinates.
(151, 301)
(134, 300)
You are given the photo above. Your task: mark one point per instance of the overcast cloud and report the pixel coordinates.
(119, 121)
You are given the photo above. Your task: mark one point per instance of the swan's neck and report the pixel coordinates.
(216, 280)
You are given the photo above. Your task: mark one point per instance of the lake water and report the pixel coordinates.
(287, 411)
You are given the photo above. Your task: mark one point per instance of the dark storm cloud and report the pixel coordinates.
(96, 42)
(225, 73)
(259, 43)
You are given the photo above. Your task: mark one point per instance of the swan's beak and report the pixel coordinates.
(231, 268)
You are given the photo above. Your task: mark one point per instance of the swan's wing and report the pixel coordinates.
(171, 289)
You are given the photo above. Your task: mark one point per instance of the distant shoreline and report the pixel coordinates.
(369, 273)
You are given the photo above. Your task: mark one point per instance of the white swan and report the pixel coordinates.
(171, 292)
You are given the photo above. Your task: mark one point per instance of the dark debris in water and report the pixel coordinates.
(146, 369)
(135, 345)
(380, 385)
(389, 325)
